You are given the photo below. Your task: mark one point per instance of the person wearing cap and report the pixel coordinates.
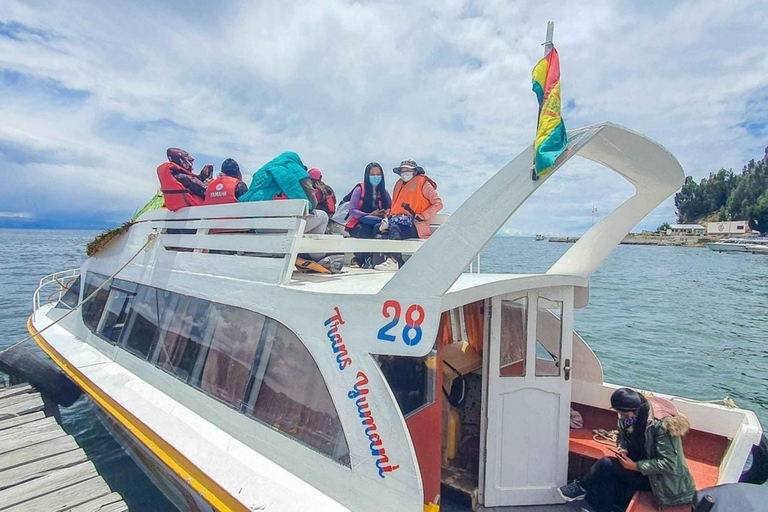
(181, 187)
(649, 457)
(414, 203)
(228, 187)
(326, 197)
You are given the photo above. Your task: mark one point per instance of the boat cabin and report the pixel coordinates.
(238, 382)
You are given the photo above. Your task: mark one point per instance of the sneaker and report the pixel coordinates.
(367, 264)
(354, 263)
(388, 265)
(573, 491)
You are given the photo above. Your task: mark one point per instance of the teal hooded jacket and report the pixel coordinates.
(282, 174)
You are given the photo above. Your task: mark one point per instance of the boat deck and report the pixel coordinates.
(41, 466)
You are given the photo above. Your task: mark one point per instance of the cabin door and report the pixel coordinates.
(528, 395)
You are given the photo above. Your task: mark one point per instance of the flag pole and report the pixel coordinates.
(550, 34)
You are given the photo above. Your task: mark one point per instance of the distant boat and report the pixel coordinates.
(736, 244)
(540, 238)
(757, 248)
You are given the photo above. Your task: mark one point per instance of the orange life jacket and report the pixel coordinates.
(222, 190)
(412, 194)
(176, 195)
(354, 221)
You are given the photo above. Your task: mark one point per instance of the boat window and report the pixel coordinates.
(231, 335)
(549, 336)
(143, 322)
(115, 315)
(514, 322)
(72, 296)
(411, 379)
(181, 335)
(95, 306)
(288, 392)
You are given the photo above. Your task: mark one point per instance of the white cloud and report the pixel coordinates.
(16, 215)
(93, 93)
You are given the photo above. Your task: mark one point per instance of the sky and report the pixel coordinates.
(92, 94)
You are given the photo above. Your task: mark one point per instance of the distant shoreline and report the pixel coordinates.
(653, 239)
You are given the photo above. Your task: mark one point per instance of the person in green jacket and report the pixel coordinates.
(649, 457)
(286, 177)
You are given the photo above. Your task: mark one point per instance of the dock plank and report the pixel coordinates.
(64, 498)
(41, 467)
(46, 484)
(36, 434)
(33, 404)
(109, 503)
(14, 421)
(15, 399)
(36, 452)
(15, 390)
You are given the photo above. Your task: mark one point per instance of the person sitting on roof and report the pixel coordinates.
(326, 197)
(228, 187)
(369, 203)
(285, 177)
(649, 457)
(181, 187)
(414, 203)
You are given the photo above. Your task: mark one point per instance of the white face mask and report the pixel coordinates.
(406, 176)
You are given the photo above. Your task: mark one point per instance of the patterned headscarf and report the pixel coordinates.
(180, 158)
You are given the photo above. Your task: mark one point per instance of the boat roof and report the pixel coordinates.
(469, 287)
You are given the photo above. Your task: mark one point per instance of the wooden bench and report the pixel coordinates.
(703, 454)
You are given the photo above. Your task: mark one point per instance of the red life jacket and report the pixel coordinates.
(353, 221)
(176, 195)
(222, 190)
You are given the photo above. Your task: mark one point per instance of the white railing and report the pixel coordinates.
(55, 285)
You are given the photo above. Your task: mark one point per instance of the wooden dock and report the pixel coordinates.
(41, 466)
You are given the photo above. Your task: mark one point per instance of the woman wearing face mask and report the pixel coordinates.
(369, 203)
(649, 457)
(414, 202)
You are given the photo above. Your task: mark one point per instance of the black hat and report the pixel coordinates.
(625, 400)
(230, 168)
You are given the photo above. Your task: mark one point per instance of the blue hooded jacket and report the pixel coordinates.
(282, 174)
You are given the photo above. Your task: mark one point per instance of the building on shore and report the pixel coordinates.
(686, 229)
(733, 227)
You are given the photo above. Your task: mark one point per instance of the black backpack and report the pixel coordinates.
(457, 397)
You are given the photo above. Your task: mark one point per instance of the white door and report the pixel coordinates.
(528, 398)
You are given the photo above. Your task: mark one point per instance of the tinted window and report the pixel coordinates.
(411, 379)
(514, 322)
(181, 335)
(72, 296)
(288, 393)
(231, 336)
(93, 308)
(115, 315)
(143, 322)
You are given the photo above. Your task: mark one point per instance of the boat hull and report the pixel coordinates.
(174, 488)
(726, 247)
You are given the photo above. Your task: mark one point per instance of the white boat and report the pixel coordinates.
(238, 383)
(757, 248)
(736, 244)
(540, 238)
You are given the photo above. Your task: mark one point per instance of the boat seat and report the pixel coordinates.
(703, 453)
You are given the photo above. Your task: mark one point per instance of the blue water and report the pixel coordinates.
(682, 321)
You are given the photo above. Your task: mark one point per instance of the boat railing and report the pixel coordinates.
(53, 287)
(270, 233)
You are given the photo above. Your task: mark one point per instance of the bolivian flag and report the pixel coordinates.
(551, 139)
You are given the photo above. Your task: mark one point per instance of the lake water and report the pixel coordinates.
(682, 321)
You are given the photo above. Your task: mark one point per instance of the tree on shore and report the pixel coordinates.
(728, 195)
(758, 215)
